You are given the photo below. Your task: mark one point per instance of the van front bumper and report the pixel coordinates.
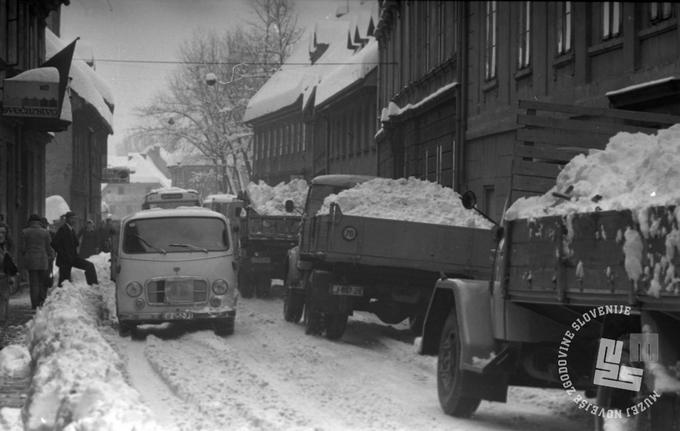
(176, 315)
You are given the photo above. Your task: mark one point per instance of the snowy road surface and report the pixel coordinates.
(269, 375)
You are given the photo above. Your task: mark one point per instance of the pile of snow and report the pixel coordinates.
(55, 207)
(15, 361)
(409, 199)
(268, 200)
(77, 381)
(634, 171)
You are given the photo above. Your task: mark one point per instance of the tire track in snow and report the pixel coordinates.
(221, 386)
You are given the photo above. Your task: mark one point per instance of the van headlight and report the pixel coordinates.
(220, 287)
(133, 289)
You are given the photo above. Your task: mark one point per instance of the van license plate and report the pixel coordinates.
(346, 289)
(178, 315)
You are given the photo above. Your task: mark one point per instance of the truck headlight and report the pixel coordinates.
(220, 287)
(133, 289)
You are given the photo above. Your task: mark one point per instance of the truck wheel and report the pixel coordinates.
(293, 304)
(245, 284)
(312, 318)
(224, 326)
(451, 382)
(335, 325)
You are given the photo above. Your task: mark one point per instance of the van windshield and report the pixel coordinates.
(175, 234)
(317, 194)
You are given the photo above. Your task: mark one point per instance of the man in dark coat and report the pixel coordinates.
(65, 243)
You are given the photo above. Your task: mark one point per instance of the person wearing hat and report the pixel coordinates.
(65, 243)
(36, 250)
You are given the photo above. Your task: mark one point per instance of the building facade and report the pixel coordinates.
(23, 140)
(452, 74)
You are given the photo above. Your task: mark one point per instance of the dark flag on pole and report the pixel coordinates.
(62, 62)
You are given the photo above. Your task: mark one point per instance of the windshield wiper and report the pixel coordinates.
(149, 244)
(205, 250)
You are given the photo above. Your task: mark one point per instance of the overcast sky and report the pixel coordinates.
(154, 30)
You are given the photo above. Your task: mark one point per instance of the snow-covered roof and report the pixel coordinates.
(175, 212)
(83, 82)
(393, 110)
(142, 168)
(283, 88)
(42, 74)
(299, 77)
(356, 68)
(639, 86)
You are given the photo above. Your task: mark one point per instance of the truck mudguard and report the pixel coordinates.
(472, 302)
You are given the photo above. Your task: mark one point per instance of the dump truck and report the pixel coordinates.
(346, 263)
(265, 241)
(562, 308)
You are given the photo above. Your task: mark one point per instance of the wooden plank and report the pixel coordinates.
(545, 152)
(638, 116)
(591, 126)
(560, 139)
(532, 184)
(535, 168)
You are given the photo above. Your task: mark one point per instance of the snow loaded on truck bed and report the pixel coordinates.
(387, 267)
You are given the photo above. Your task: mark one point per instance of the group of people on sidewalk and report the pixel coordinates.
(39, 246)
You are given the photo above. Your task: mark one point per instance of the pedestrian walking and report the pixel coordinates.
(36, 251)
(65, 243)
(89, 240)
(7, 269)
(108, 230)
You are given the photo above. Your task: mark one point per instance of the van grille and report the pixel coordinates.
(177, 291)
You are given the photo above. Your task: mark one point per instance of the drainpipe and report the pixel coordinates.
(461, 97)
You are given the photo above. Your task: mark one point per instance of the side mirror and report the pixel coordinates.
(242, 213)
(290, 206)
(236, 229)
(469, 199)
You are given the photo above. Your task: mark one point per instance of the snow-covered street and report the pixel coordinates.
(268, 375)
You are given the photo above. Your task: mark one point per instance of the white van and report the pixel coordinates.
(176, 265)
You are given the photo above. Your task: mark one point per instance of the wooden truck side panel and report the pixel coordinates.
(405, 244)
(587, 259)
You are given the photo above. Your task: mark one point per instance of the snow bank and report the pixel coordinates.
(55, 207)
(77, 380)
(268, 200)
(405, 199)
(634, 171)
(15, 361)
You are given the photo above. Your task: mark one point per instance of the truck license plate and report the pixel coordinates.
(347, 289)
(260, 260)
(178, 315)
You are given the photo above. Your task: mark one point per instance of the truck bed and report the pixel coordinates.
(453, 250)
(581, 260)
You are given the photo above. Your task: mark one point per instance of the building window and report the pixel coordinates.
(490, 45)
(524, 52)
(564, 27)
(611, 19)
(660, 11)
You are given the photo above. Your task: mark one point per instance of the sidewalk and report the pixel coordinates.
(13, 390)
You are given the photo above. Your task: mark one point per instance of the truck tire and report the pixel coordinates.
(451, 382)
(335, 325)
(293, 305)
(223, 327)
